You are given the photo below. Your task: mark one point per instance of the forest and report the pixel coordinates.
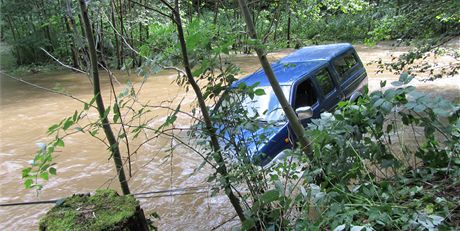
(155, 70)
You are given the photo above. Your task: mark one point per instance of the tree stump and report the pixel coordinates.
(105, 210)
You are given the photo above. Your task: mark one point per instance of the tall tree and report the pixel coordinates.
(221, 169)
(114, 147)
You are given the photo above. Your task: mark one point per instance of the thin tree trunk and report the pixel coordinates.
(81, 25)
(131, 37)
(114, 148)
(2, 28)
(290, 114)
(101, 42)
(216, 12)
(15, 39)
(276, 30)
(140, 40)
(288, 26)
(46, 29)
(122, 31)
(76, 35)
(115, 35)
(221, 169)
(73, 49)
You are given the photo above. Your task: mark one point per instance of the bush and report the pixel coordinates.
(388, 161)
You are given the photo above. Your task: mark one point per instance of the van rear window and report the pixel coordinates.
(344, 64)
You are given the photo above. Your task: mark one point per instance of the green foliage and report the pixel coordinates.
(388, 161)
(42, 165)
(55, 26)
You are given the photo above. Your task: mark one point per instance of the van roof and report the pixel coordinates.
(294, 66)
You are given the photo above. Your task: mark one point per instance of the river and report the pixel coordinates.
(83, 165)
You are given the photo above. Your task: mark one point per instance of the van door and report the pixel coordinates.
(306, 94)
(330, 94)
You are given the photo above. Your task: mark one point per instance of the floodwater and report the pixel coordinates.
(83, 165)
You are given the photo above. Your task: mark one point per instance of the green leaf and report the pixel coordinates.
(116, 117)
(405, 78)
(69, 122)
(92, 100)
(340, 227)
(379, 102)
(419, 108)
(387, 106)
(270, 196)
(93, 132)
(248, 224)
(75, 115)
(115, 108)
(357, 228)
(52, 171)
(44, 175)
(259, 92)
(53, 128)
(25, 172)
(28, 183)
(59, 142)
(106, 112)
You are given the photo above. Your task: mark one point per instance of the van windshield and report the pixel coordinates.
(264, 108)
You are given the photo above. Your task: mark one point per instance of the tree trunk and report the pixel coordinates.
(115, 35)
(122, 31)
(73, 49)
(76, 35)
(46, 29)
(15, 39)
(290, 114)
(288, 26)
(141, 41)
(131, 37)
(114, 148)
(221, 169)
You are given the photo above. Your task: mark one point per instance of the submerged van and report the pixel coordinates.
(314, 79)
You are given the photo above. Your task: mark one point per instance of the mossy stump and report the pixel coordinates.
(105, 210)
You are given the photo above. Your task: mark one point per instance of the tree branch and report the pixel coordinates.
(43, 88)
(152, 9)
(61, 63)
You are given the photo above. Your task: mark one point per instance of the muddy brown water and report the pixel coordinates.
(83, 165)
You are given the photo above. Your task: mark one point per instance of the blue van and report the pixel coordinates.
(314, 79)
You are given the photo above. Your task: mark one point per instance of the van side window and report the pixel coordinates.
(305, 94)
(344, 64)
(325, 81)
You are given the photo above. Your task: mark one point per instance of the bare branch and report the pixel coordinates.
(153, 9)
(169, 6)
(61, 63)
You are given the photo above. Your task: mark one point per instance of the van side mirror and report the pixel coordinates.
(304, 112)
